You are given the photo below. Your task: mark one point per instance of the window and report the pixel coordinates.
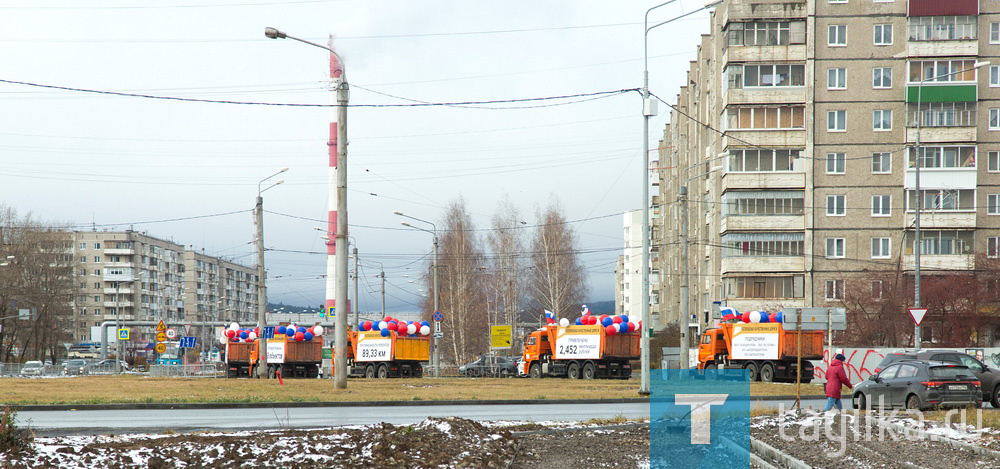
(762, 203)
(882, 77)
(994, 75)
(834, 248)
(836, 79)
(941, 242)
(835, 205)
(766, 118)
(755, 76)
(942, 28)
(83, 246)
(837, 35)
(763, 244)
(882, 119)
(792, 286)
(942, 71)
(943, 200)
(994, 118)
(993, 247)
(835, 163)
(97, 245)
(761, 160)
(994, 33)
(993, 204)
(877, 290)
(883, 34)
(881, 163)
(834, 290)
(944, 157)
(766, 33)
(962, 114)
(880, 205)
(83, 258)
(994, 162)
(881, 248)
(836, 121)
(838, 1)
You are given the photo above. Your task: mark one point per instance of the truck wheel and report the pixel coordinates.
(383, 371)
(767, 373)
(370, 371)
(270, 372)
(535, 371)
(573, 371)
(751, 371)
(589, 371)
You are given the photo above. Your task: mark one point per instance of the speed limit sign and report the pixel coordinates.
(171, 333)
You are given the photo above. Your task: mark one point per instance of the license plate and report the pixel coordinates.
(957, 387)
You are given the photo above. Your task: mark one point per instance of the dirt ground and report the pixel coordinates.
(435, 442)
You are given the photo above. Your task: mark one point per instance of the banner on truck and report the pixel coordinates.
(578, 342)
(756, 341)
(372, 347)
(276, 351)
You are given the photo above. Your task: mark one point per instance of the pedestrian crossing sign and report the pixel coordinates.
(122, 334)
(331, 311)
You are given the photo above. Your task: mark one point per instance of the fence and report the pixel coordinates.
(201, 370)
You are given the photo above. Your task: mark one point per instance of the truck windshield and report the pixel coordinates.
(531, 341)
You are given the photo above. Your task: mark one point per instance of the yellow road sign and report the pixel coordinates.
(161, 336)
(122, 334)
(161, 348)
(161, 327)
(500, 337)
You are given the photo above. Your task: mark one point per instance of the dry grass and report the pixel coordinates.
(989, 418)
(144, 390)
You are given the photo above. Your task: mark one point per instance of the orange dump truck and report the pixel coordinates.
(586, 352)
(294, 359)
(241, 358)
(370, 355)
(766, 351)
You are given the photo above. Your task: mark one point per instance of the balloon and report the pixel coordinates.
(778, 317)
(234, 326)
(384, 332)
(318, 331)
(281, 330)
(755, 316)
(256, 330)
(382, 325)
(425, 330)
(230, 333)
(594, 320)
(610, 330)
(300, 336)
(300, 329)
(388, 319)
(308, 336)
(222, 339)
(579, 322)
(564, 322)
(632, 326)
(624, 318)
(425, 323)
(746, 316)
(606, 321)
(622, 327)
(764, 317)
(309, 330)
(411, 329)
(252, 335)
(244, 335)
(616, 320)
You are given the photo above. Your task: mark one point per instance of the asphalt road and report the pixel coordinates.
(60, 422)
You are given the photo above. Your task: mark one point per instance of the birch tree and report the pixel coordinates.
(556, 279)
(506, 264)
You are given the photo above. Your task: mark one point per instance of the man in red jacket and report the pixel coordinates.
(835, 378)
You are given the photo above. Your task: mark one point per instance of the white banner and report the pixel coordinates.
(755, 341)
(373, 348)
(578, 342)
(276, 351)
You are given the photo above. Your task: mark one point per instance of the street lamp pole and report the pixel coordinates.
(336, 272)
(434, 350)
(920, 200)
(261, 272)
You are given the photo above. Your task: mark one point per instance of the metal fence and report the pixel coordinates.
(201, 370)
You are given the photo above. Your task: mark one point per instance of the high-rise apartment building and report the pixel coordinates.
(797, 135)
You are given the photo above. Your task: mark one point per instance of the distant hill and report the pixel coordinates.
(602, 307)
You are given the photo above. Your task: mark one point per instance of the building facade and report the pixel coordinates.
(797, 138)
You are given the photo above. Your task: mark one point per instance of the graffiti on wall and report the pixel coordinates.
(860, 364)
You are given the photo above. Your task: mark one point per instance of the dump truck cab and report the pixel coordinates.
(711, 346)
(536, 345)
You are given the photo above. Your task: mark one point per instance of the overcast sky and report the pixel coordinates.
(117, 162)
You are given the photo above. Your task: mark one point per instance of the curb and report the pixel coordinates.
(783, 460)
(742, 452)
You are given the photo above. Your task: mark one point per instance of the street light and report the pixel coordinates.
(433, 232)
(649, 110)
(336, 266)
(920, 200)
(261, 272)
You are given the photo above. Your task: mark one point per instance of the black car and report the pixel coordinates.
(489, 366)
(919, 384)
(989, 378)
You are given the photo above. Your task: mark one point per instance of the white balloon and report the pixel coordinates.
(411, 329)
(755, 316)
(234, 326)
(222, 339)
(425, 330)
(252, 336)
(318, 331)
(382, 325)
(564, 322)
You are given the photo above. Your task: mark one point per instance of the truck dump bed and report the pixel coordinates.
(238, 352)
(622, 345)
(301, 352)
(812, 345)
(412, 348)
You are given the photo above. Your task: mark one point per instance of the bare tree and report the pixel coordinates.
(504, 279)
(557, 280)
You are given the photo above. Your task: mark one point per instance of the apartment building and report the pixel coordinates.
(797, 135)
(149, 279)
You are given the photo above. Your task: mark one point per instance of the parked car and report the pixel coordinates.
(32, 368)
(919, 384)
(520, 368)
(105, 367)
(989, 378)
(75, 367)
(489, 366)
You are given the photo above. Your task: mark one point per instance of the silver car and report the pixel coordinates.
(33, 368)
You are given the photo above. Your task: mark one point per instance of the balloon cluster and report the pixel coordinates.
(761, 317)
(612, 324)
(300, 333)
(403, 328)
(234, 333)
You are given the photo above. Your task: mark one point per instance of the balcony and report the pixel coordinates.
(118, 264)
(767, 138)
(765, 95)
(938, 219)
(123, 291)
(764, 9)
(792, 52)
(118, 304)
(942, 134)
(942, 178)
(764, 222)
(126, 277)
(958, 48)
(119, 252)
(763, 264)
(760, 181)
(942, 262)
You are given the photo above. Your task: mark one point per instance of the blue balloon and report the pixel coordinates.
(623, 327)
(300, 329)
(579, 322)
(244, 335)
(778, 317)
(384, 332)
(607, 322)
(764, 317)
(624, 318)
(309, 336)
(425, 323)
(281, 330)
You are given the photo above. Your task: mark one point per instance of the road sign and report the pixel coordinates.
(161, 348)
(161, 326)
(122, 334)
(439, 335)
(438, 316)
(437, 327)
(269, 332)
(331, 311)
(188, 342)
(918, 315)
(814, 319)
(500, 337)
(187, 329)
(161, 336)
(171, 333)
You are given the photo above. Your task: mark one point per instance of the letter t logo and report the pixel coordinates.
(701, 414)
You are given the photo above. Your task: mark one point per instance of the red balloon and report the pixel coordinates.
(388, 319)
(309, 330)
(631, 327)
(300, 336)
(367, 326)
(616, 319)
(611, 330)
(256, 331)
(746, 316)
(592, 320)
(230, 333)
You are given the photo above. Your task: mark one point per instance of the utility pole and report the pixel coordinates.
(261, 287)
(685, 291)
(382, 276)
(357, 300)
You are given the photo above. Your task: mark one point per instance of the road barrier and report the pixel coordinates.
(200, 370)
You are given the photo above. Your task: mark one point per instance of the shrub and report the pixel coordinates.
(13, 440)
